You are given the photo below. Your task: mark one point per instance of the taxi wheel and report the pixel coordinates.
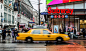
(59, 39)
(29, 39)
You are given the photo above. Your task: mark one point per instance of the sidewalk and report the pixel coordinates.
(79, 39)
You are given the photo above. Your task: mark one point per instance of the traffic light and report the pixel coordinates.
(42, 22)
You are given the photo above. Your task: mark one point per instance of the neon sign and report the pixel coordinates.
(67, 11)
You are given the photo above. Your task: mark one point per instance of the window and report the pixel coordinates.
(12, 19)
(1, 6)
(5, 1)
(36, 32)
(9, 10)
(46, 32)
(5, 8)
(5, 17)
(12, 12)
(9, 18)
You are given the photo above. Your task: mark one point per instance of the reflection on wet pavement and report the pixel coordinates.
(72, 45)
(68, 46)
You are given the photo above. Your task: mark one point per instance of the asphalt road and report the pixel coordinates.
(71, 45)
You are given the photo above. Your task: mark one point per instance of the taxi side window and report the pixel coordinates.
(46, 32)
(36, 32)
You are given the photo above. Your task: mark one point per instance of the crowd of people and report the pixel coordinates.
(12, 33)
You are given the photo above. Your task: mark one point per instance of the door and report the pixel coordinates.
(47, 35)
(36, 35)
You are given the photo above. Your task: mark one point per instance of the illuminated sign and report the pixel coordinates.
(59, 16)
(67, 11)
(52, 2)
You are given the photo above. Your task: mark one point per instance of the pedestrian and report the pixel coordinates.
(9, 33)
(3, 34)
(15, 33)
(75, 31)
(27, 29)
(83, 30)
(60, 30)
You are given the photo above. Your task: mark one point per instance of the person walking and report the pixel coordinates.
(9, 33)
(75, 31)
(83, 30)
(15, 33)
(3, 34)
(60, 30)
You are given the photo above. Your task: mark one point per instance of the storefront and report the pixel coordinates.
(75, 21)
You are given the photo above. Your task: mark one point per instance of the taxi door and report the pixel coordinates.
(46, 35)
(36, 35)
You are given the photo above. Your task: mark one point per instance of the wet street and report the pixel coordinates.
(72, 45)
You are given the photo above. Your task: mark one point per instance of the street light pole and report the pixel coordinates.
(39, 10)
(18, 11)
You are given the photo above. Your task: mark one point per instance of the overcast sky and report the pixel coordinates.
(42, 6)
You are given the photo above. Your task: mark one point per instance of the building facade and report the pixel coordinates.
(26, 13)
(7, 15)
(35, 17)
(75, 21)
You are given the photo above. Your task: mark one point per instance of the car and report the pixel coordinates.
(42, 35)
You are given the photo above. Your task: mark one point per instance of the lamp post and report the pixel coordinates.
(18, 12)
(39, 9)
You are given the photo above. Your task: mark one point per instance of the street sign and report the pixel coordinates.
(44, 13)
(31, 22)
(52, 16)
(63, 16)
(66, 16)
(55, 16)
(59, 16)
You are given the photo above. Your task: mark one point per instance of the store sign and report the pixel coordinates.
(66, 16)
(59, 16)
(52, 16)
(55, 16)
(62, 11)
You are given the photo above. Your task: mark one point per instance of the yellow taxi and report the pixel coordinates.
(42, 35)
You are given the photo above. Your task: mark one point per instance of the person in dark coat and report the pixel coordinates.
(83, 30)
(9, 33)
(75, 31)
(60, 30)
(15, 33)
(3, 34)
